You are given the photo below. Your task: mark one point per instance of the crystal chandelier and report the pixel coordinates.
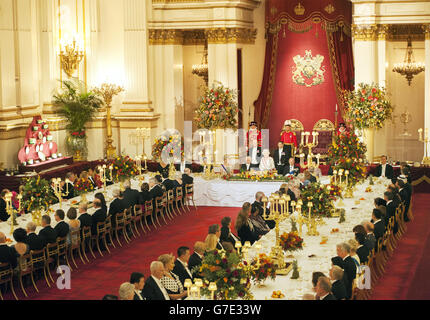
(409, 68)
(202, 70)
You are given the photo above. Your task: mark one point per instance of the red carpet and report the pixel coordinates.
(105, 274)
(406, 275)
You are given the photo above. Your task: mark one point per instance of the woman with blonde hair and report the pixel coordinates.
(171, 281)
(244, 228)
(211, 242)
(353, 253)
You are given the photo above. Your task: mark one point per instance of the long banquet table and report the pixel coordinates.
(234, 194)
(355, 214)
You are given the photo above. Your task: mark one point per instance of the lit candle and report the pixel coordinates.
(212, 288)
(187, 284)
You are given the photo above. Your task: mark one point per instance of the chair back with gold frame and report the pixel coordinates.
(38, 260)
(326, 130)
(6, 277)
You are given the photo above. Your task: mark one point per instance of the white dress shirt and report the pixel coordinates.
(186, 267)
(160, 285)
(139, 294)
(384, 166)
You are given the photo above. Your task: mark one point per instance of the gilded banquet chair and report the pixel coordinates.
(325, 129)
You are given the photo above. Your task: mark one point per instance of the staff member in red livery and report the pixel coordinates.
(289, 139)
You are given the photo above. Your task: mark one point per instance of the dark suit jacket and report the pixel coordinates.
(151, 291)
(186, 179)
(131, 197)
(48, 235)
(8, 255)
(296, 170)
(62, 229)
(391, 210)
(136, 297)
(71, 190)
(194, 261)
(226, 236)
(284, 158)
(3, 214)
(350, 272)
(180, 271)
(338, 289)
(246, 234)
(370, 241)
(155, 192)
(259, 206)
(85, 220)
(329, 297)
(363, 254)
(243, 167)
(98, 216)
(144, 196)
(35, 242)
(379, 229)
(389, 172)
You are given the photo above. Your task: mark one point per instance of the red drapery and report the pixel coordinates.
(322, 27)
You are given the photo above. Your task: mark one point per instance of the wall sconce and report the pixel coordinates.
(70, 58)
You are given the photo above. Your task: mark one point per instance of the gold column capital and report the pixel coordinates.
(231, 35)
(426, 29)
(365, 32)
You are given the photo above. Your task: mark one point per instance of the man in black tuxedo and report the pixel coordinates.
(181, 265)
(131, 196)
(384, 169)
(187, 178)
(391, 205)
(61, 228)
(291, 168)
(48, 235)
(362, 250)
(7, 254)
(144, 194)
(247, 166)
(226, 234)
(116, 206)
(3, 214)
(337, 286)
(348, 266)
(258, 204)
(378, 224)
(68, 187)
(155, 189)
(280, 158)
(196, 258)
(84, 217)
(98, 216)
(323, 289)
(404, 195)
(33, 240)
(370, 241)
(154, 289)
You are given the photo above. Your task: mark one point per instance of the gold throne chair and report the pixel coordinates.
(326, 130)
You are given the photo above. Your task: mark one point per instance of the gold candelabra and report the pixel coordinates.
(305, 143)
(143, 133)
(108, 91)
(70, 58)
(279, 211)
(58, 191)
(11, 211)
(104, 178)
(425, 140)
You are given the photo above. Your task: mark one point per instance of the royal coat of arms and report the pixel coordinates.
(308, 71)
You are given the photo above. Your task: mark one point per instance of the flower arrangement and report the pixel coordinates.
(223, 268)
(162, 142)
(367, 107)
(335, 192)
(123, 167)
(217, 109)
(321, 198)
(37, 194)
(82, 186)
(348, 153)
(291, 241)
(263, 268)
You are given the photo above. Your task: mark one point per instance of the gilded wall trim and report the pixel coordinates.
(426, 29)
(199, 36)
(390, 32)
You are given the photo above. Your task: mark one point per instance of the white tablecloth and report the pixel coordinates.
(295, 289)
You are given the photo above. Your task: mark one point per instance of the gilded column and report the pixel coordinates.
(427, 77)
